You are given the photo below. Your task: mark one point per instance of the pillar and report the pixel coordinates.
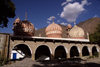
(90, 53)
(80, 54)
(33, 56)
(99, 54)
(52, 56)
(68, 55)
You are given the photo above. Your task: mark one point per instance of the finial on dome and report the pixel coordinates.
(18, 17)
(53, 18)
(25, 15)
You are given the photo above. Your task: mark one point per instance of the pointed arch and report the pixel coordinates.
(85, 51)
(42, 51)
(94, 51)
(74, 51)
(60, 53)
(25, 49)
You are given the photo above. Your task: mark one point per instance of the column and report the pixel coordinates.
(68, 55)
(80, 54)
(33, 56)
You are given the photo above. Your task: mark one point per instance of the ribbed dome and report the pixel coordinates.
(77, 32)
(53, 30)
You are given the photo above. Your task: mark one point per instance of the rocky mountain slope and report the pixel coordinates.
(90, 24)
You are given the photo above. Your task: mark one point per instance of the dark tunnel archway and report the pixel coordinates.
(42, 51)
(60, 53)
(74, 52)
(85, 51)
(24, 49)
(95, 52)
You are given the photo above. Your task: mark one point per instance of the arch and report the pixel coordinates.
(24, 49)
(94, 51)
(85, 51)
(42, 51)
(60, 53)
(74, 51)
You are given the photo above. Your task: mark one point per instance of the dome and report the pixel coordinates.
(76, 32)
(53, 30)
(69, 26)
(24, 28)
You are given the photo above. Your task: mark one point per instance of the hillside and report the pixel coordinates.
(88, 25)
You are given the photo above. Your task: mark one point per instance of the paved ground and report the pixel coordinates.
(27, 62)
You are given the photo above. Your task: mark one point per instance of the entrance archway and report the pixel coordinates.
(94, 51)
(60, 53)
(42, 52)
(85, 51)
(22, 50)
(74, 52)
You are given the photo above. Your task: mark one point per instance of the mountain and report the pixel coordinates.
(88, 26)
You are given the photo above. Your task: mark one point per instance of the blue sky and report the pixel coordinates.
(39, 12)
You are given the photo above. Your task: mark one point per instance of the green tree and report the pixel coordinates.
(7, 10)
(96, 36)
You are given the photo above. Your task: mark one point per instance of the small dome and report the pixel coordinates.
(76, 32)
(17, 20)
(69, 26)
(53, 30)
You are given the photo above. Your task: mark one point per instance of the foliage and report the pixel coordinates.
(7, 10)
(96, 36)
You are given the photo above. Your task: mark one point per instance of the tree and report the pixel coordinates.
(96, 36)
(7, 10)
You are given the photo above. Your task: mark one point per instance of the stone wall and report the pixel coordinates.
(4, 42)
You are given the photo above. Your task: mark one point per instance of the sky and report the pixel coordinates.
(41, 12)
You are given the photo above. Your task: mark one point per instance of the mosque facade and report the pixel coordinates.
(23, 43)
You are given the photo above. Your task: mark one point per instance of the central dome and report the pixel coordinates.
(53, 30)
(76, 32)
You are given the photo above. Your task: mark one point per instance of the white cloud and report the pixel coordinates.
(72, 10)
(48, 22)
(64, 3)
(63, 23)
(67, 1)
(58, 20)
(84, 2)
(51, 18)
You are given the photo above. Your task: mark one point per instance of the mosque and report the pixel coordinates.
(24, 43)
